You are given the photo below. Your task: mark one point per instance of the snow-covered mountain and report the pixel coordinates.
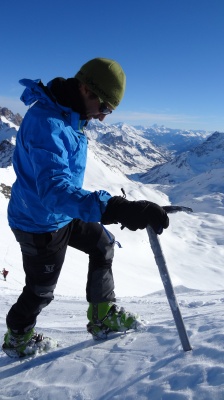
(149, 364)
(124, 147)
(15, 118)
(135, 149)
(195, 177)
(120, 146)
(8, 131)
(203, 158)
(149, 155)
(174, 140)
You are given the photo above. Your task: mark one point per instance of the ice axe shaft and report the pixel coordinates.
(164, 273)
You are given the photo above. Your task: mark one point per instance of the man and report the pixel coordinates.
(4, 273)
(49, 210)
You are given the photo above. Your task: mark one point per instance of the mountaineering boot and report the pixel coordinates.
(108, 317)
(26, 344)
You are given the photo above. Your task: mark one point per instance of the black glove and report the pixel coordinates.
(135, 214)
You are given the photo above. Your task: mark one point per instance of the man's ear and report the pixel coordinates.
(84, 90)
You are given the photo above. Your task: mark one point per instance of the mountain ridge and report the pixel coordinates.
(15, 118)
(133, 152)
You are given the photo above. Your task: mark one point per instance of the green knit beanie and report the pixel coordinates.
(105, 78)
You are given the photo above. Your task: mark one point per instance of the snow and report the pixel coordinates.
(149, 364)
(145, 365)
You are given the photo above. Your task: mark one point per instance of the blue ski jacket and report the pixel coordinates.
(49, 161)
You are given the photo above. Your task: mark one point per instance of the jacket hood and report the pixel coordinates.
(36, 91)
(33, 92)
(62, 91)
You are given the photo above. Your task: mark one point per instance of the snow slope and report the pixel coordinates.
(146, 365)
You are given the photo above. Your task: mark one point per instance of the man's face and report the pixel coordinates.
(94, 108)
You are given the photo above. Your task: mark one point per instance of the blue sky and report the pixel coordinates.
(172, 52)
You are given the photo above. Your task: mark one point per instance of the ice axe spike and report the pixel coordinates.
(174, 209)
(167, 283)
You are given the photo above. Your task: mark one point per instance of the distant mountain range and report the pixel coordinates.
(136, 149)
(209, 155)
(174, 140)
(130, 149)
(177, 161)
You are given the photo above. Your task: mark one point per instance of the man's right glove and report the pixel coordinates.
(135, 214)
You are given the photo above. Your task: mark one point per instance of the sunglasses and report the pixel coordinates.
(103, 109)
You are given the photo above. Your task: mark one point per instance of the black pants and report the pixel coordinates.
(43, 257)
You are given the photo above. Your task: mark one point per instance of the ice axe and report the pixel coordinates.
(167, 283)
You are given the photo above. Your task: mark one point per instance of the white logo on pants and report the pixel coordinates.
(49, 268)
